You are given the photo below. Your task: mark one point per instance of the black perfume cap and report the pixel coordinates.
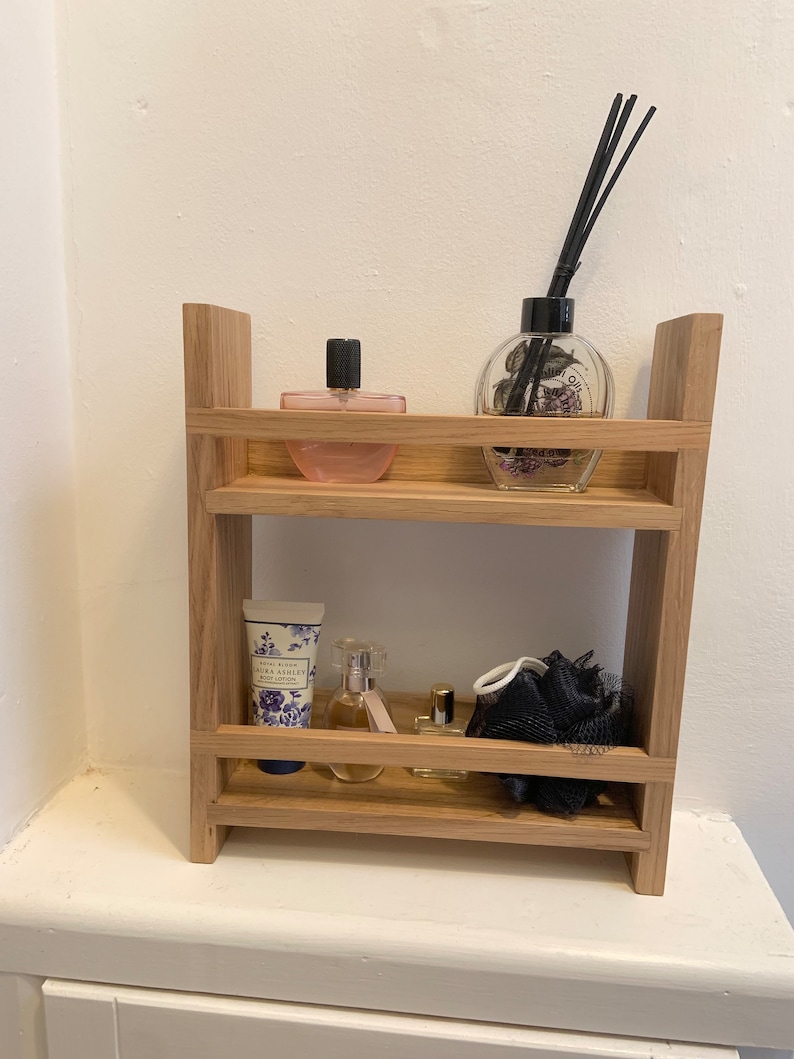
(343, 364)
(547, 315)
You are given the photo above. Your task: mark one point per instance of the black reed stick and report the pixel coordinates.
(585, 215)
(581, 211)
(559, 285)
(604, 161)
(531, 370)
(612, 181)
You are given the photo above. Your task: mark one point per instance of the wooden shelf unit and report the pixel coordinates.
(650, 479)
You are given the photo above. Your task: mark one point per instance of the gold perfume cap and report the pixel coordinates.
(442, 703)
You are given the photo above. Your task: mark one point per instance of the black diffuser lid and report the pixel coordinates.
(547, 316)
(343, 364)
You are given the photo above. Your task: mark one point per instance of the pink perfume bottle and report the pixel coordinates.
(342, 461)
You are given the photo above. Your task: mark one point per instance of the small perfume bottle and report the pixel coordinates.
(440, 722)
(359, 662)
(342, 461)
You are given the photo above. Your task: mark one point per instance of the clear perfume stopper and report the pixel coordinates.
(358, 658)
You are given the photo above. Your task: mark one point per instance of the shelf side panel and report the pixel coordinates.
(683, 383)
(217, 349)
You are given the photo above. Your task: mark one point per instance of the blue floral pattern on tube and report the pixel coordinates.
(288, 708)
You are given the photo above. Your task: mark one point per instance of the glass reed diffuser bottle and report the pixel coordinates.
(546, 370)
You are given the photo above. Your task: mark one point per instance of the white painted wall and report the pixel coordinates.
(42, 729)
(405, 172)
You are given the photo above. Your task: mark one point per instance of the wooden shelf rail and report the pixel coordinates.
(624, 764)
(634, 435)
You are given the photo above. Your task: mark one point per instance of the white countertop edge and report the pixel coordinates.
(76, 920)
(310, 934)
(675, 1010)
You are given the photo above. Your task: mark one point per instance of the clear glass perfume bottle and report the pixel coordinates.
(359, 662)
(545, 371)
(342, 461)
(441, 721)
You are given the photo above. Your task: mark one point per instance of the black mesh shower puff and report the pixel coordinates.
(574, 703)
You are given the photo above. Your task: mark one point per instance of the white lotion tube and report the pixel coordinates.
(282, 648)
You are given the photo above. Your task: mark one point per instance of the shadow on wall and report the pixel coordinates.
(451, 601)
(764, 1053)
(409, 855)
(41, 709)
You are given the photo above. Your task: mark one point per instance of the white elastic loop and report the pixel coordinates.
(499, 677)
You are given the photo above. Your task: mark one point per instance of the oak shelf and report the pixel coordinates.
(650, 479)
(266, 424)
(626, 764)
(395, 803)
(603, 507)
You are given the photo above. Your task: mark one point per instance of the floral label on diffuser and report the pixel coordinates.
(573, 381)
(564, 391)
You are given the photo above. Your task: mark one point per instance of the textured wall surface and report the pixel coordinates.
(405, 173)
(42, 729)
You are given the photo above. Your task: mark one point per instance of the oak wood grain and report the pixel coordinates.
(217, 352)
(447, 463)
(626, 764)
(638, 435)
(443, 502)
(683, 383)
(397, 803)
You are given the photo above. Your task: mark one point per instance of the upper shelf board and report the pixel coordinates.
(637, 435)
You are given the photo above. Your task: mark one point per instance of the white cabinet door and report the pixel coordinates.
(106, 1022)
(21, 1018)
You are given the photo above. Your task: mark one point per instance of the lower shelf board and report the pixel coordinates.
(397, 803)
